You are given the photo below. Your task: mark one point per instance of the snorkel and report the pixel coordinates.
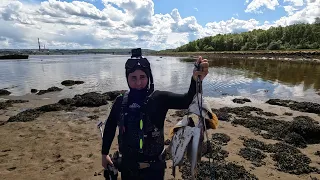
(137, 61)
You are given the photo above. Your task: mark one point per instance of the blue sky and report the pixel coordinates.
(154, 24)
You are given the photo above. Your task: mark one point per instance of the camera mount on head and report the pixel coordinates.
(136, 54)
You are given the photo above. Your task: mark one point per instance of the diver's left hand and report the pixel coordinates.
(204, 66)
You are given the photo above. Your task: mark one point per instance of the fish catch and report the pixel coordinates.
(187, 135)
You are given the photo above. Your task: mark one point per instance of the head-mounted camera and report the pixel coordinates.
(137, 60)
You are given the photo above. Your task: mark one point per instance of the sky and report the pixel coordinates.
(151, 24)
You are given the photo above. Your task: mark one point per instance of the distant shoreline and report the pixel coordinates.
(304, 55)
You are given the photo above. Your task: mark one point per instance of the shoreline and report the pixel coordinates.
(294, 55)
(64, 143)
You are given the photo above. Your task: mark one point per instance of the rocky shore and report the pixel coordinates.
(42, 137)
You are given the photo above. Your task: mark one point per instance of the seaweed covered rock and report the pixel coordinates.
(71, 82)
(67, 101)
(241, 101)
(51, 89)
(51, 107)
(222, 115)
(25, 116)
(180, 113)
(254, 155)
(4, 92)
(214, 151)
(296, 140)
(34, 90)
(219, 171)
(293, 163)
(287, 157)
(112, 95)
(220, 138)
(307, 128)
(297, 106)
(8, 103)
(254, 143)
(91, 99)
(276, 129)
(244, 111)
(282, 147)
(301, 131)
(266, 113)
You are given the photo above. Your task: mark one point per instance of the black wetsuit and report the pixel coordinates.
(157, 110)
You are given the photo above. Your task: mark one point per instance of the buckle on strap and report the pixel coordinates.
(143, 165)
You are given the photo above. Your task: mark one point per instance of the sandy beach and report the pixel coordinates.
(65, 143)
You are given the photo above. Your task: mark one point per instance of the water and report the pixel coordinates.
(260, 79)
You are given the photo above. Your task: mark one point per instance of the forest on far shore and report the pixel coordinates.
(293, 37)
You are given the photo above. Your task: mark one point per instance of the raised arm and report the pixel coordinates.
(179, 101)
(182, 101)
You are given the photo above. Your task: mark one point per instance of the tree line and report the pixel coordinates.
(297, 36)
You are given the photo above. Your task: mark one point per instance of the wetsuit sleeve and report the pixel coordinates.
(110, 127)
(180, 101)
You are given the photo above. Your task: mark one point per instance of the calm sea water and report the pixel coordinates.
(260, 79)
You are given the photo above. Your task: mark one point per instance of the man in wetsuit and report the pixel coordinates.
(141, 121)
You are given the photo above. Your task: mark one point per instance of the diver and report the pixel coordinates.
(139, 115)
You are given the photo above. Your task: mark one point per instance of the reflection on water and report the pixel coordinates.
(286, 72)
(260, 79)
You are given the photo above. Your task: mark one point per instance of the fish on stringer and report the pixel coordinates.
(188, 134)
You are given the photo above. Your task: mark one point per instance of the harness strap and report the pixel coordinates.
(124, 107)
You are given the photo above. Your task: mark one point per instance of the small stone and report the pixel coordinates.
(12, 168)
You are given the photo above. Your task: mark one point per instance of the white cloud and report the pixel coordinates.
(306, 15)
(290, 9)
(255, 5)
(196, 9)
(295, 2)
(122, 24)
(77, 8)
(231, 26)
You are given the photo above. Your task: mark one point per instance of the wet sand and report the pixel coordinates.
(66, 144)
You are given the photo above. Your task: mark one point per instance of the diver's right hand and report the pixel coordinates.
(106, 160)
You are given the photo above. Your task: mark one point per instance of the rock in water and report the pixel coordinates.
(52, 89)
(241, 101)
(34, 90)
(71, 82)
(4, 92)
